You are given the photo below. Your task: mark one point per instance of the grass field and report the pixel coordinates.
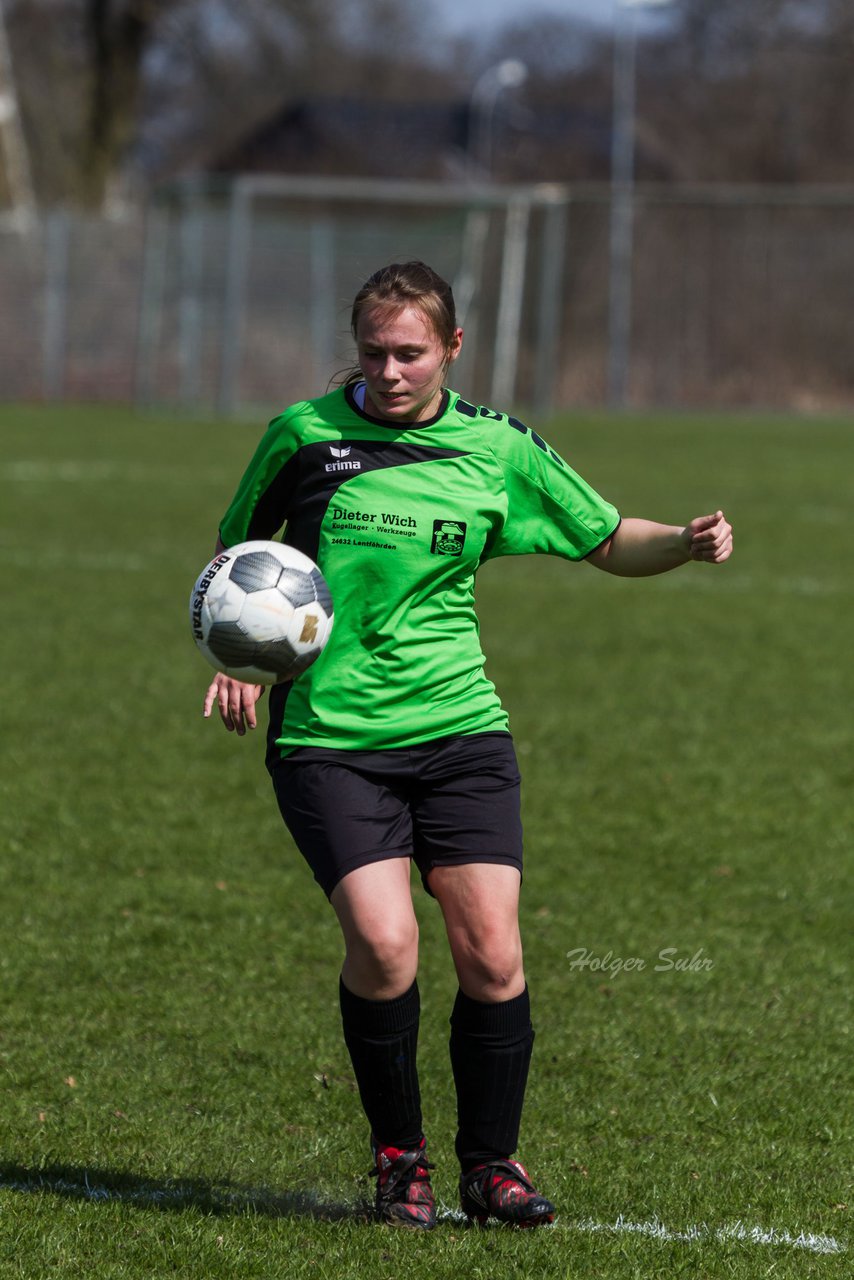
(176, 1095)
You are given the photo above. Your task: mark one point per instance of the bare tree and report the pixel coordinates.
(151, 88)
(223, 67)
(119, 32)
(752, 92)
(78, 67)
(173, 78)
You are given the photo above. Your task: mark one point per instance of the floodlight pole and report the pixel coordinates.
(622, 198)
(508, 74)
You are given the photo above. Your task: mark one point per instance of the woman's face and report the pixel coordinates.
(403, 362)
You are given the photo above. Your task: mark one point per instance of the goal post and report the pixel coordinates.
(298, 248)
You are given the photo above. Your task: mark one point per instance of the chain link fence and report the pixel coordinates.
(235, 301)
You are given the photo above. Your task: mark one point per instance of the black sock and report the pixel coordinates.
(490, 1054)
(382, 1037)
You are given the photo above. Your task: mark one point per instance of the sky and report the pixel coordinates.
(470, 15)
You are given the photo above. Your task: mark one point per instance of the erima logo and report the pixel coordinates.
(342, 466)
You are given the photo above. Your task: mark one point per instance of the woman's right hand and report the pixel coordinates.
(236, 702)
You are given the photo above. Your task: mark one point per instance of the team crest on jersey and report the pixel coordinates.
(448, 537)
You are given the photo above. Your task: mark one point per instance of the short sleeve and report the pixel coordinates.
(550, 509)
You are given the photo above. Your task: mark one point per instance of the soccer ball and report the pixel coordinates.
(261, 612)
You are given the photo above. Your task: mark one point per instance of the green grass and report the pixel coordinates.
(176, 1096)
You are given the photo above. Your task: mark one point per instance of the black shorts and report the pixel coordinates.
(454, 800)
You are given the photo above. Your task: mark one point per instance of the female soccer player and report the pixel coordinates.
(394, 747)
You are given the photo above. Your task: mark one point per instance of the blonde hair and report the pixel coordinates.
(407, 284)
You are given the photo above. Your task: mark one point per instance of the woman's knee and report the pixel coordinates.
(384, 960)
(490, 965)
(480, 903)
(374, 909)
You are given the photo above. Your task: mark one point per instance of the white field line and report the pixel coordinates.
(109, 562)
(71, 557)
(722, 580)
(308, 1203)
(100, 470)
(67, 470)
(71, 470)
(689, 1235)
(731, 1231)
(692, 578)
(94, 561)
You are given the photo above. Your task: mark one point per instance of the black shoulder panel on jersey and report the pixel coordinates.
(272, 508)
(322, 469)
(474, 411)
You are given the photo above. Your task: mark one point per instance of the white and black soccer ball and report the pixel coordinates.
(261, 612)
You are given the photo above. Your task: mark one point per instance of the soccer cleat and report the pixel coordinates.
(502, 1189)
(404, 1193)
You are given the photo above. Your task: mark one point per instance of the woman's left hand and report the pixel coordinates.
(709, 538)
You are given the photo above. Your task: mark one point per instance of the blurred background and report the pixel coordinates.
(639, 202)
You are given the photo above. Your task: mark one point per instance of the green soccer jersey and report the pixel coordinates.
(399, 516)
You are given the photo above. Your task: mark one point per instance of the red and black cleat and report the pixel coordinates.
(404, 1194)
(502, 1189)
